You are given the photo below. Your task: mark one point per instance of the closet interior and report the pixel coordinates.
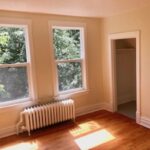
(126, 76)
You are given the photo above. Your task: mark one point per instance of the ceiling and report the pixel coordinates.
(87, 8)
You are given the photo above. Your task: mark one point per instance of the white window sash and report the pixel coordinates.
(26, 25)
(77, 26)
(14, 65)
(69, 60)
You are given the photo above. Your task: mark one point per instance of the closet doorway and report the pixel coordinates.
(125, 74)
(125, 51)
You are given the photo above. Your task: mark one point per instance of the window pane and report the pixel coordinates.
(66, 43)
(69, 75)
(13, 83)
(12, 45)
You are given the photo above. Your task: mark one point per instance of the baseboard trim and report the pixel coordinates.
(11, 130)
(138, 117)
(93, 108)
(88, 109)
(144, 121)
(107, 106)
(4, 132)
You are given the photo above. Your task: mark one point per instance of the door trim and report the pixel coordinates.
(111, 38)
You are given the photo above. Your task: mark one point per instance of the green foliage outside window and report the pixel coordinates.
(13, 80)
(69, 76)
(12, 45)
(67, 46)
(66, 43)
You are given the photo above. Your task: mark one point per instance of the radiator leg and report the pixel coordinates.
(74, 120)
(29, 133)
(19, 123)
(17, 129)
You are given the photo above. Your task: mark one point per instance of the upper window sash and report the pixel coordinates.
(26, 39)
(80, 50)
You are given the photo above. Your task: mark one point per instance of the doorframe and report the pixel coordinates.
(112, 70)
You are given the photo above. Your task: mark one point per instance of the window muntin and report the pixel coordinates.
(68, 44)
(14, 65)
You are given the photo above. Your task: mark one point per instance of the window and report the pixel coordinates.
(68, 45)
(14, 64)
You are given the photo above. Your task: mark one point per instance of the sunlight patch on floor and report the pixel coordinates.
(94, 139)
(85, 128)
(22, 146)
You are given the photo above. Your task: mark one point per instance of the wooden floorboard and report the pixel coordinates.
(101, 130)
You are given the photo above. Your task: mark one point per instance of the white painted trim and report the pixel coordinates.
(93, 108)
(123, 35)
(14, 21)
(11, 130)
(107, 106)
(4, 132)
(138, 117)
(31, 60)
(145, 122)
(83, 59)
(88, 109)
(112, 68)
(26, 24)
(65, 24)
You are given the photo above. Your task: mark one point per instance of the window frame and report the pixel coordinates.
(26, 26)
(82, 59)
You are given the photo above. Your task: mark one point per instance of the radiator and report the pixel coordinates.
(36, 117)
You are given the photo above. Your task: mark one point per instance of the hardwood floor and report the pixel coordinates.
(101, 130)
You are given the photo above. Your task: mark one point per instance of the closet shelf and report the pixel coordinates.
(123, 49)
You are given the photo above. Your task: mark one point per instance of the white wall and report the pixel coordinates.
(133, 21)
(84, 102)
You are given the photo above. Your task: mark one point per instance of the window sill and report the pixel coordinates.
(73, 93)
(16, 104)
